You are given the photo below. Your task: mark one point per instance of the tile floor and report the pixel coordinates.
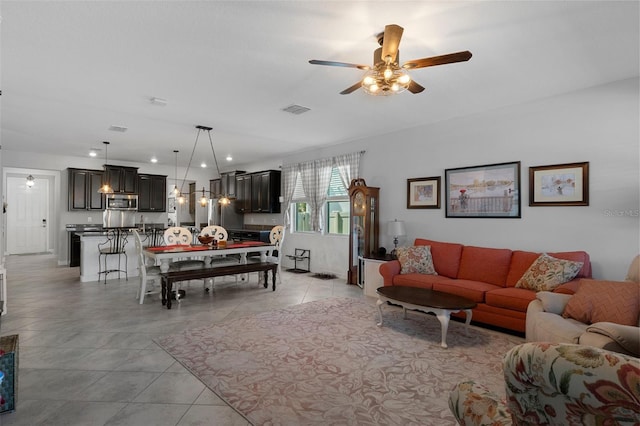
(86, 350)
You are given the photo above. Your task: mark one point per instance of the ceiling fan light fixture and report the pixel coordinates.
(388, 73)
(404, 78)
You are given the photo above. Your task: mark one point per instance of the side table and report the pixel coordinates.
(369, 274)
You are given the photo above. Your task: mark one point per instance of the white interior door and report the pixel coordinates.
(27, 216)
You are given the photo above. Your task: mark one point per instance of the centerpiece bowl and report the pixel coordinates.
(205, 239)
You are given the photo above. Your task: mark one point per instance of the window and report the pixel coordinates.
(336, 207)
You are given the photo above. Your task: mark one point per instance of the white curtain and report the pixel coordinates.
(348, 166)
(289, 177)
(316, 176)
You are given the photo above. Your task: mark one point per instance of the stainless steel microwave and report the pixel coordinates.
(122, 202)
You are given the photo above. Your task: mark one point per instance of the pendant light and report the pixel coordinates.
(224, 200)
(105, 188)
(175, 191)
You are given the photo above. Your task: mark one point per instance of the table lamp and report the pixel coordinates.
(395, 229)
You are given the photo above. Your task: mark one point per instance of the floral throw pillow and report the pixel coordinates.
(416, 260)
(548, 272)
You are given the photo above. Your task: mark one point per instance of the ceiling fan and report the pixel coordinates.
(386, 76)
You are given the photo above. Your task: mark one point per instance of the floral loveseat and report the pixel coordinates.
(488, 276)
(555, 384)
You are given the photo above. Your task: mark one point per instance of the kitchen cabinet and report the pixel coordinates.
(122, 179)
(265, 192)
(152, 193)
(215, 187)
(225, 184)
(83, 189)
(243, 193)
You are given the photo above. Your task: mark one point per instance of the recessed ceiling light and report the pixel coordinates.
(154, 160)
(203, 165)
(93, 152)
(229, 158)
(115, 128)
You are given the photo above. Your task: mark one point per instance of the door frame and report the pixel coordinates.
(53, 203)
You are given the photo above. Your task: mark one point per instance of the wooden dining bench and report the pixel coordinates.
(168, 278)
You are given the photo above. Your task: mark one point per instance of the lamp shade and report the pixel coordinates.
(395, 228)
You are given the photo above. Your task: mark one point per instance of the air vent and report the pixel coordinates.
(158, 101)
(296, 109)
(115, 128)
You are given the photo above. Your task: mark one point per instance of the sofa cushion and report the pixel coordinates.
(548, 272)
(608, 301)
(418, 280)
(522, 260)
(472, 290)
(490, 265)
(415, 259)
(516, 299)
(446, 256)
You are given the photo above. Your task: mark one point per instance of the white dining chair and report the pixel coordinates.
(147, 273)
(220, 234)
(177, 235)
(276, 238)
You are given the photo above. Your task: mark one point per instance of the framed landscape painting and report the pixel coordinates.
(491, 191)
(559, 185)
(423, 193)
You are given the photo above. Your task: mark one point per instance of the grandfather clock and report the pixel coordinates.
(363, 224)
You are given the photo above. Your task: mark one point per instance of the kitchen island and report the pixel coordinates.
(89, 251)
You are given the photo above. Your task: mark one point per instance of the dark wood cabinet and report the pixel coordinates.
(215, 187)
(225, 185)
(265, 192)
(83, 189)
(152, 193)
(122, 179)
(243, 193)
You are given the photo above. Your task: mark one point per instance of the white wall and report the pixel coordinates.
(21, 162)
(599, 125)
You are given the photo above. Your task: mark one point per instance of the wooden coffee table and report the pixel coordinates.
(425, 300)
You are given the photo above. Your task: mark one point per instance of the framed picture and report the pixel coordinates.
(559, 185)
(483, 191)
(423, 193)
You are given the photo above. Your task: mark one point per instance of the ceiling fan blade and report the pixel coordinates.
(438, 60)
(351, 89)
(415, 87)
(391, 41)
(339, 64)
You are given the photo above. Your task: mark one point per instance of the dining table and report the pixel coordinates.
(167, 254)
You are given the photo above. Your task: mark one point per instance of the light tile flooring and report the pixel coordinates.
(86, 350)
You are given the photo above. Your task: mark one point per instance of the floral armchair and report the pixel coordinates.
(555, 384)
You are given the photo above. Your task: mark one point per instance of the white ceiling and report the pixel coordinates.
(70, 70)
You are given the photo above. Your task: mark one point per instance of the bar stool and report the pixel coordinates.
(113, 246)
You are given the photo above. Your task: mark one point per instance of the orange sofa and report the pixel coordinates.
(485, 275)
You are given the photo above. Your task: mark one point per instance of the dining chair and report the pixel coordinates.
(220, 234)
(177, 235)
(114, 245)
(276, 238)
(148, 273)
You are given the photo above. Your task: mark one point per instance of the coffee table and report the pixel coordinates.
(425, 300)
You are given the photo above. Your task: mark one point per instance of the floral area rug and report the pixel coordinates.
(327, 363)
